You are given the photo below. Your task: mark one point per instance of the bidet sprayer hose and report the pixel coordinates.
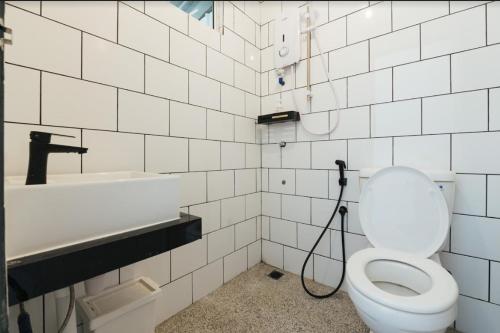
(342, 210)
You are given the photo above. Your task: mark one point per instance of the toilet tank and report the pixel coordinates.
(445, 180)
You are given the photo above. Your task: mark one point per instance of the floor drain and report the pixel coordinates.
(275, 275)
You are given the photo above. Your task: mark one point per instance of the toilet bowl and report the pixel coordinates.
(395, 286)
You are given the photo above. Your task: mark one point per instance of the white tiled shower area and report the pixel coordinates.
(147, 87)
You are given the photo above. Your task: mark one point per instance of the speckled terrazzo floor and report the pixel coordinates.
(253, 302)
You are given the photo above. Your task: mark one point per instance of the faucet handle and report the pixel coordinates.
(44, 137)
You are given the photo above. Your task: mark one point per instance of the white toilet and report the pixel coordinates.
(399, 285)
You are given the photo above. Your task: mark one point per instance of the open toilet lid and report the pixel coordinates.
(400, 208)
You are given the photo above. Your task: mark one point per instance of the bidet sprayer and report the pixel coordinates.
(342, 167)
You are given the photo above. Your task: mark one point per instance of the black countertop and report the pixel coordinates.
(41, 273)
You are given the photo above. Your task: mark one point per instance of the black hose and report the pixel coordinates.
(71, 306)
(23, 320)
(342, 211)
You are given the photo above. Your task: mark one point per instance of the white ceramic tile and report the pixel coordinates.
(342, 8)
(267, 59)
(414, 151)
(453, 33)
(252, 9)
(189, 257)
(34, 307)
(370, 88)
(294, 260)
(351, 191)
(246, 233)
(169, 14)
(252, 56)
(157, 268)
(142, 33)
(396, 119)
(187, 52)
(142, 113)
(235, 263)
(60, 53)
(351, 123)
(493, 10)
(353, 244)
(244, 77)
(112, 151)
(494, 106)
(17, 149)
(282, 181)
(406, 13)
(193, 188)
(253, 206)
(282, 132)
(204, 91)
(476, 152)
(166, 80)
(312, 183)
(425, 78)
(296, 208)
(22, 94)
(397, 48)
(313, 123)
(493, 196)
(210, 215)
(244, 130)
(465, 112)
(139, 5)
(271, 156)
(108, 63)
(254, 253)
(369, 22)
(166, 154)
(244, 26)
(220, 126)
(330, 36)
(207, 279)
(470, 194)
(269, 10)
(296, 155)
(31, 6)
(252, 106)
(203, 33)
(220, 67)
(96, 17)
(220, 184)
(475, 69)
(75, 103)
(321, 212)
(307, 237)
(245, 181)
(354, 224)
(349, 60)
(283, 232)
(271, 204)
(187, 120)
(228, 14)
(265, 227)
(174, 297)
(471, 274)
(232, 155)
(477, 316)
(233, 45)
(232, 100)
(220, 243)
(468, 231)
(495, 282)
(456, 6)
(327, 271)
(252, 153)
(204, 155)
(325, 100)
(370, 153)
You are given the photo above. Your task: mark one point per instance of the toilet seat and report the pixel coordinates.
(438, 289)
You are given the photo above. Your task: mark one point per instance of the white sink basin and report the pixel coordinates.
(70, 209)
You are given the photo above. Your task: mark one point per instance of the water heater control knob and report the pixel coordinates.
(283, 52)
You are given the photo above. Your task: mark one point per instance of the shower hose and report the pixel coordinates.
(342, 210)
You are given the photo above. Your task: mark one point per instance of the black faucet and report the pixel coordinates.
(40, 148)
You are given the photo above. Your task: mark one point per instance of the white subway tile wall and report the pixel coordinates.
(147, 88)
(417, 84)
